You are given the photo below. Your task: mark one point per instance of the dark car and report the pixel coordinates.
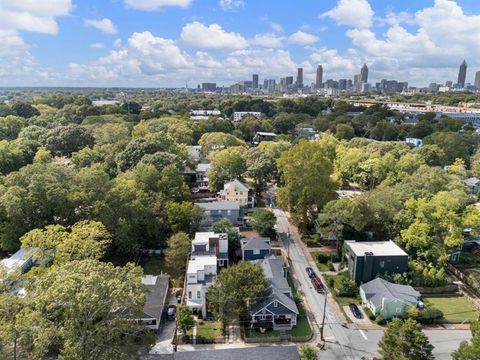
(310, 272)
(171, 311)
(318, 285)
(356, 311)
(178, 296)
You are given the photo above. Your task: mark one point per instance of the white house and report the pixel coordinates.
(237, 191)
(23, 260)
(237, 116)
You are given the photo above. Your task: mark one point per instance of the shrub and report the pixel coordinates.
(429, 315)
(330, 266)
(323, 258)
(412, 312)
(369, 313)
(344, 286)
(380, 320)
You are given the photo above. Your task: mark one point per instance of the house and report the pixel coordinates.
(308, 133)
(238, 116)
(255, 248)
(209, 254)
(263, 136)
(414, 142)
(473, 185)
(278, 310)
(23, 260)
(368, 259)
(237, 191)
(201, 173)
(217, 210)
(387, 299)
(245, 353)
(157, 291)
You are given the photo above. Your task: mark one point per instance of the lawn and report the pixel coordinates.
(455, 309)
(208, 330)
(153, 265)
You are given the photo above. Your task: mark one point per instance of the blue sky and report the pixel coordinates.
(163, 43)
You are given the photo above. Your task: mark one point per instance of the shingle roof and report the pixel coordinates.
(256, 244)
(471, 181)
(247, 353)
(219, 205)
(157, 291)
(378, 289)
(237, 185)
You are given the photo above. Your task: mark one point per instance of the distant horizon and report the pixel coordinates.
(168, 43)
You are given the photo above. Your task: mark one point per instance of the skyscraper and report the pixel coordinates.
(364, 74)
(300, 78)
(319, 80)
(462, 74)
(477, 79)
(255, 81)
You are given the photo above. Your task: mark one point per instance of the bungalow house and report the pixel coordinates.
(255, 248)
(22, 261)
(237, 191)
(217, 210)
(278, 310)
(209, 254)
(387, 299)
(473, 185)
(157, 290)
(369, 258)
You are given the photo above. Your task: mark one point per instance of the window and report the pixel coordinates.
(262, 317)
(220, 262)
(189, 294)
(229, 212)
(275, 304)
(398, 310)
(199, 296)
(256, 252)
(382, 264)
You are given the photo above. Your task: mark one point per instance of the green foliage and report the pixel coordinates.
(65, 140)
(226, 165)
(369, 313)
(469, 350)
(185, 319)
(308, 352)
(404, 340)
(263, 222)
(225, 226)
(179, 248)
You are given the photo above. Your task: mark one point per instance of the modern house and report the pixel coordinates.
(209, 253)
(217, 210)
(473, 185)
(368, 259)
(22, 261)
(157, 291)
(387, 299)
(278, 310)
(237, 191)
(263, 136)
(255, 248)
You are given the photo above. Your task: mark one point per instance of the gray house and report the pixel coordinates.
(473, 185)
(278, 310)
(157, 290)
(255, 248)
(217, 210)
(368, 259)
(387, 299)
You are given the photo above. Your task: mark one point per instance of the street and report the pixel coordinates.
(342, 342)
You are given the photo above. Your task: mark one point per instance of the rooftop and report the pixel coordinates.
(377, 248)
(199, 262)
(157, 292)
(203, 237)
(263, 133)
(219, 205)
(18, 259)
(256, 243)
(379, 289)
(236, 184)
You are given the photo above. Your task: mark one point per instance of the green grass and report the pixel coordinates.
(153, 265)
(455, 309)
(209, 329)
(257, 334)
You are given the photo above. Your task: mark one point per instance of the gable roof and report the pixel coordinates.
(250, 353)
(379, 289)
(471, 181)
(219, 205)
(157, 288)
(256, 244)
(236, 184)
(276, 295)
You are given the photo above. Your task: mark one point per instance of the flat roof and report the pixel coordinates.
(219, 205)
(199, 263)
(203, 237)
(375, 247)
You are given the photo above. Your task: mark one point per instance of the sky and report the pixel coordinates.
(171, 43)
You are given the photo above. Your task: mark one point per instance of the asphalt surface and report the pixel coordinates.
(342, 342)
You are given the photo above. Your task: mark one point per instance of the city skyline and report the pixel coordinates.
(171, 43)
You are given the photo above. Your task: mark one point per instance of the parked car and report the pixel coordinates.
(178, 296)
(171, 311)
(310, 272)
(317, 284)
(356, 311)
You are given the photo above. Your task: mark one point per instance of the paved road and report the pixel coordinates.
(342, 342)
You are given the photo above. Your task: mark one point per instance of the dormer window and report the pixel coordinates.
(275, 304)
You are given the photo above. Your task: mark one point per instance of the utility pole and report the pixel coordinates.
(323, 317)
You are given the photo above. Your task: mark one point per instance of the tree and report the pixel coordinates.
(453, 144)
(458, 168)
(65, 140)
(225, 226)
(308, 352)
(226, 165)
(345, 131)
(24, 110)
(469, 350)
(179, 247)
(185, 319)
(183, 216)
(218, 141)
(305, 171)
(87, 302)
(261, 167)
(235, 290)
(263, 222)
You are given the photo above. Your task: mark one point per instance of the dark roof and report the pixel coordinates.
(155, 298)
(219, 205)
(379, 289)
(276, 295)
(256, 243)
(250, 353)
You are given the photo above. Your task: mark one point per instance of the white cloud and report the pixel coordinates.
(302, 38)
(148, 5)
(213, 36)
(106, 25)
(356, 13)
(229, 5)
(268, 40)
(97, 45)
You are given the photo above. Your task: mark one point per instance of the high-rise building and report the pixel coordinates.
(265, 83)
(272, 85)
(212, 87)
(364, 74)
(319, 79)
(357, 79)
(342, 84)
(255, 81)
(477, 79)
(462, 74)
(449, 83)
(300, 78)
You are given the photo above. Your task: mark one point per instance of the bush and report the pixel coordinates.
(323, 258)
(344, 286)
(330, 266)
(429, 315)
(369, 313)
(411, 312)
(331, 283)
(380, 320)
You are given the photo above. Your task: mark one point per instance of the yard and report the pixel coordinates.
(153, 265)
(455, 309)
(208, 331)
